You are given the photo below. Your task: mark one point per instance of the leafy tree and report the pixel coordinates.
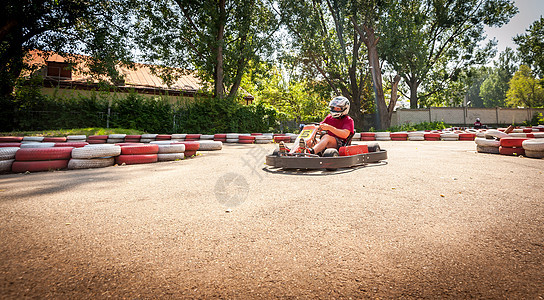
(525, 90)
(531, 47)
(97, 28)
(493, 89)
(217, 38)
(429, 42)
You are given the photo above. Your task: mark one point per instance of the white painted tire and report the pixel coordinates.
(38, 145)
(146, 140)
(33, 138)
(538, 135)
(416, 138)
(170, 156)
(263, 137)
(383, 139)
(178, 136)
(76, 163)
(232, 141)
(487, 142)
(416, 134)
(115, 141)
(162, 142)
(534, 154)
(117, 136)
(149, 136)
(232, 136)
(8, 152)
(485, 149)
(96, 152)
(76, 137)
(210, 145)
(175, 148)
(386, 134)
(533, 144)
(357, 136)
(207, 137)
(518, 134)
(5, 165)
(495, 134)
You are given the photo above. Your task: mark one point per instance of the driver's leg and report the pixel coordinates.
(326, 142)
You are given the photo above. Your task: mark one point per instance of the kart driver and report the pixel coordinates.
(338, 124)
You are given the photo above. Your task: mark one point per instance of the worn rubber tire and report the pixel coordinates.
(8, 152)
(416, 138)
(140, 149)
(97, 137)
(189, 153)
(487, 149)
(492, 133)
(373, 147)
(487, 142)
(11, 139)
(96, 152)
(136, 159)
(175, 148)
(51, 139)
(18, 145)
(38, 166)
(37, 145)
(38, 154)
(76, 163)
(170, 156)
(117, 136)
(232, 141)
(149, 136)
(5, 165)
(33, 138)
(331, 153)
(207, 145)
(190, 145)
(512, 141)
(72, 144)
(115, 141)
(511, 151)
(533, 145)
(534, 154)
(178, 136)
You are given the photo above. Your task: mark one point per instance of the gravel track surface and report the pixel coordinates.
(438, 220)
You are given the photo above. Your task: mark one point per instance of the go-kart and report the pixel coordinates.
(347, 156)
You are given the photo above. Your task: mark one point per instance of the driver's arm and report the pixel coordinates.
(341, 133)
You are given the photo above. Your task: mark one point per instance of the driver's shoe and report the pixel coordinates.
(302, 146)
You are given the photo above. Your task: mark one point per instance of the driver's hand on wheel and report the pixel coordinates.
(325, 126)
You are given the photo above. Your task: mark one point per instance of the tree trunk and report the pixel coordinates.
(394, 97)
(373, 59)
(413, 84)
(219, 71)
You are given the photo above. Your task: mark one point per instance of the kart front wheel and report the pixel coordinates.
(331, 153)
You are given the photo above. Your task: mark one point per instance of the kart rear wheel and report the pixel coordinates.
(373, 147)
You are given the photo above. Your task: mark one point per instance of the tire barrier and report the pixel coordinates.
(383, 136)
(487, 149)
(467, 136)
(207, 137)
(399, 136)
(6, 165)
(8, 152)
(190, 145)
(416, 136)
(143, 149)
(37, 154)
(132, 138)
(189, 153)
(117, 136)
(72, 144)
(133, 159)
(115, 141)
(449, 136)
(368, 136)
(163, 137)
(534, 148)
(11, 139)
(192, 137)
(9, 144)
(512, 142)
(432, 136)
(511, 151)
(534, 154)
(38, 166)
(172, 148)
(54, 139)
(210, 145)
(96, 152)
(170, 156)
(246, 139)
(38, 145)
(33, 139)
(76, 138)
(487, 142)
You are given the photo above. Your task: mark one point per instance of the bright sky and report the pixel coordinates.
(529, 11)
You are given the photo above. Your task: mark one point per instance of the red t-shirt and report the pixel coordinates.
(343, 123)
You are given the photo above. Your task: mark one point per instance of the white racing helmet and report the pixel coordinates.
(339, 107)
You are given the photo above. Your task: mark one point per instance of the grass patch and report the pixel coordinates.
(75, 131)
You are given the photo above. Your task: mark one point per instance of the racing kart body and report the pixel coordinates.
(331, 159)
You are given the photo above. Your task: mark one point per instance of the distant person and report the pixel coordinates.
(477, 124)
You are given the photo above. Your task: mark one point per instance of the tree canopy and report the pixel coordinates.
(531, 47)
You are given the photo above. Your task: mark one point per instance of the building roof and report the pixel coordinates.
(139, 77)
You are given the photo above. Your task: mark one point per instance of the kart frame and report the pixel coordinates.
(317, 162)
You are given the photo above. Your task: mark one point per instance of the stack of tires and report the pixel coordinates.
(449, 136)
(7, 157)
(356, 136)
(399, 136)
(138, 154)
(467, 136)
(432, 136)
(190, 147)
(178, 137)
(41, 159)
(512, 146)
(72, 144)
(54, 139)
(220, 137)
(484, 145)
(246, 139)
(171, 152)
(192, 137)
(383, 136)
(534, 148)
(38, 145)
(207, 145)
(416, 136)
(32, 139)
(116, 138)
(94, 156)
(232, 138)
(148, 137)
(76, 139)
(264, 139)
(206, 137)
(163, 137)
(368, 136)
(97, 139)
(282, 138)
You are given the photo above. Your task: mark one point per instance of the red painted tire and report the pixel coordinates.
(10, 144)
(467, 136)
(136, 159)
(512, 141)
(193, 137)
(256, 133)
(72, 144)
(246, 141)
(398, 135)
(96, 141)
(52, 139)
(246, 137)
(133, 137)
(189, 146)
(527, 130)
(220, 136)
(189, 153)
(36, 154)
(37, 166)
(97, 137)
(368, 134)
(10, 139)
(368, 138)
(140, 149)
(128, 144)
(511, 150)
(163, 137)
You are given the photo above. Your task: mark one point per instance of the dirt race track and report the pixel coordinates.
(438, 220)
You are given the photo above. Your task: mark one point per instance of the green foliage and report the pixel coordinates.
(142, 113)
(74, 131)
(531, 47)
(419, 127)
(537, 119)
(493, 89)
(211, 115)
(525, 90)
